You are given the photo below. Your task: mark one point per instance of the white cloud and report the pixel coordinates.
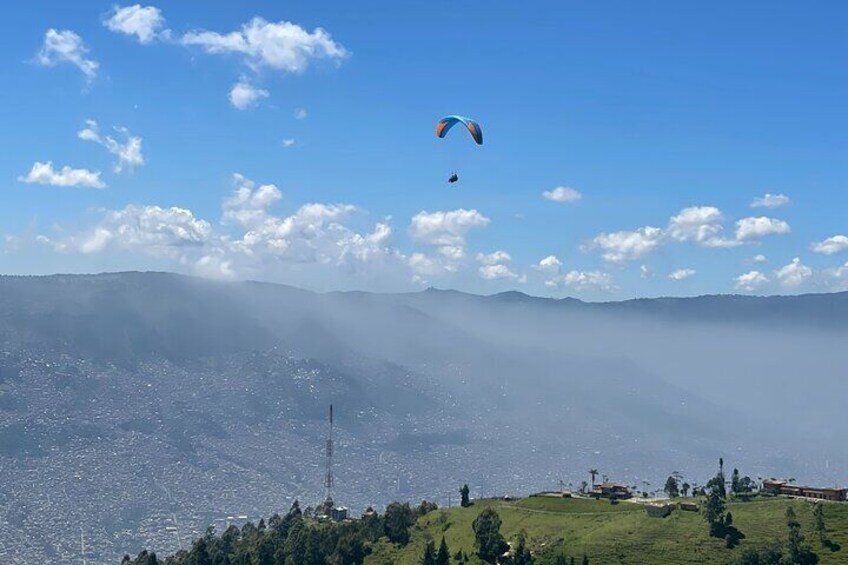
(701, 225)
(837, 277)
(144, 22)
(152, 230)
(300, 114)
(66, 47)
(562, 194)
(43, 173)
(288, 142)
(751, 281)
(831, 245)
(452, 253)
(550, 264)
(244, 95)
(248, 205)
(446, 228)
(624, 246)
(494, 258)
(583, 280)
(128, 153)
(681, 274)
(770, 201)
(751, 228)
(496, 272)
(794, 274)
(645, 272)
(283, 45)
(422, 265)
(760, 258)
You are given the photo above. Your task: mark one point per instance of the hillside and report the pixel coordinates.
(210, 398)
(619, 534)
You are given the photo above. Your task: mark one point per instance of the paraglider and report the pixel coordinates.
(445, 125)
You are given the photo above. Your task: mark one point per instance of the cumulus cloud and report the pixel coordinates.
(752, 228)
(244, 95)
(770, 201)
(562, 194)
(250, 238)
(701, 225)
(794, 274)
(300, 114)
(288, 142)
(622, 246)
(446, 228)
(283, 45)
(760, 258)
(494, 258)
(583, 280)
(144, 22)
(751, 281)
(65, 46)
(248, 205)
(128, 153)
(495, 266)
(495, 272)
(43, 173)
(831, 245)
(550, 264)
(152, 230)
(645, 272)
(681, 274)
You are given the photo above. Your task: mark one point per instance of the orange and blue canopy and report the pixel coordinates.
(446, 123)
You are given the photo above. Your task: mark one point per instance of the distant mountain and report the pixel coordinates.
(129, 400)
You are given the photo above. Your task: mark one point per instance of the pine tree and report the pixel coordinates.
(429, 557)
(443, 557)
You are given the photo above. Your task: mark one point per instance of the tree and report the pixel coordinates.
(684, 488)
(488, 540)
(465, 501)
(443, 557)
(818, 518)
(713, 512)
(397, 521)
(425, 508)
(520, 553)
(350, 550)
(671, 488)
(312, 552)
(429, 557)
(583, 486)
(735, 483)
(593, 473)
(797, 551)
(199, 553)
(585, 559)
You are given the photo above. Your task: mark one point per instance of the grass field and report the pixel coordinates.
(621, 533)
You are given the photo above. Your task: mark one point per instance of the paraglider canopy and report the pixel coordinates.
(453, 178)
(446, 123)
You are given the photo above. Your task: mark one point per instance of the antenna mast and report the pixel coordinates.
(328, 481)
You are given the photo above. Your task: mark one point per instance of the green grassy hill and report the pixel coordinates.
(621, 533)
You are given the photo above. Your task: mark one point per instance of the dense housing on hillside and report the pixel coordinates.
(836, 494)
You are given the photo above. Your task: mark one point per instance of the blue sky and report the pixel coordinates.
(245, 142)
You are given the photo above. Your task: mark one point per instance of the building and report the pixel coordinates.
(689, 506)
(836, 494)
(339, 513)
(658, 510)
(611, 490)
